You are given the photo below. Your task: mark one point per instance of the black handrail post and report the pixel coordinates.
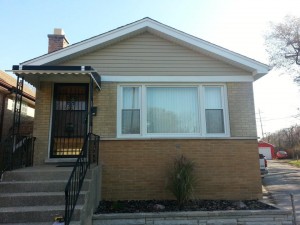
(77, 176)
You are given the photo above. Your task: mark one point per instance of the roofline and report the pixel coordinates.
(258, 69)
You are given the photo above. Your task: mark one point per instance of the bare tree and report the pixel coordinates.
(283, 45)
(287, 139)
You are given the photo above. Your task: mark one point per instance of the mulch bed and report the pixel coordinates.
(171, 206)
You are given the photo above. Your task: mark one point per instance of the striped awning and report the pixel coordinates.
(35, 74)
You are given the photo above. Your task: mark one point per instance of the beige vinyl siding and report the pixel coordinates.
(147, 54)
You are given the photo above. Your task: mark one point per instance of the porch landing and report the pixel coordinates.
(35, 195)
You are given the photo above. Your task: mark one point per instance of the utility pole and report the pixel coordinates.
(261, 125)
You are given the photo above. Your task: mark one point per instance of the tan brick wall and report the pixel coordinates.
(42, 121)
(136, 169)
(240, 106)
(241, 109)
(240, 102)
(105, 123)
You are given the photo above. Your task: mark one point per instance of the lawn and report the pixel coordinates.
(295, 163)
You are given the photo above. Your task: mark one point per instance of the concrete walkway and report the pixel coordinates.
(282, 181)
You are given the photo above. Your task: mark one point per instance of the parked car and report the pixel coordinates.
(263, 164)
(281, 155)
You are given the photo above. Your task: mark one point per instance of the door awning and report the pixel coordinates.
(36, 74)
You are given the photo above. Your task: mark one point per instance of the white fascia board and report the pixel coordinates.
(173, 79)
(201, 45)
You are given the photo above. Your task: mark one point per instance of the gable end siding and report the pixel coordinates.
(146, 54)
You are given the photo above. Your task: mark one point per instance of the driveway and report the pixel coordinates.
(282, 181)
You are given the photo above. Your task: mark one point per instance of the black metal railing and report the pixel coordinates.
(16, 152)
(88, 154)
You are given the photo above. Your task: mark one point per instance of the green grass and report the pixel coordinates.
(295, 163)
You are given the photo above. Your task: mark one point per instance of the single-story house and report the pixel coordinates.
(152, 93)
(267, 149)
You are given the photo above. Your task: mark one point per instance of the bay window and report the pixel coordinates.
(192, 110)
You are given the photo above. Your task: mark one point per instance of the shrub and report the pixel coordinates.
(182, 180)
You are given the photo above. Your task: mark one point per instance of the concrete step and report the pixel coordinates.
(32, 196)
(40, 173)
(39, 223)
(35, 213)
(36, 198)
(37, 186)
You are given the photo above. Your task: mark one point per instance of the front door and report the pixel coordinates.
(69, 119)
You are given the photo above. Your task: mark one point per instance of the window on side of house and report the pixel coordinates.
(191, 110)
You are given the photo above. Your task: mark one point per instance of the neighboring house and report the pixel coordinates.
(7, 96)
(267, 149)
(163, 93)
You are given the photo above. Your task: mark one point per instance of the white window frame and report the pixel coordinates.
(224, 103)
(120, 107)
(201, 112)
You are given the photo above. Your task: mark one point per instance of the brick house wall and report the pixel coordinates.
(105, 123)
(42, 122)
(241, 109)
(136, 169)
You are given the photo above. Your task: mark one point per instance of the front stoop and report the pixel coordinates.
(36, 195)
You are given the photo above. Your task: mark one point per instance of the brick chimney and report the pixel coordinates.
(57, 40)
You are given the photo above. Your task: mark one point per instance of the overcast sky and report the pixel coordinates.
(238, 25)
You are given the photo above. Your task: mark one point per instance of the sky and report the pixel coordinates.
(238, 25)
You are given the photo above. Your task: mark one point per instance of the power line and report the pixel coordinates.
(278, 118)
(281, 118)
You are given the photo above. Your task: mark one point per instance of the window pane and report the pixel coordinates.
(130, 97)
(214, 121)
(172, 110)
(213, 98)
(130, 121)
(131, 111)
(214, 115)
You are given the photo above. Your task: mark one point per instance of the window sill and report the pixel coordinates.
(177, 138)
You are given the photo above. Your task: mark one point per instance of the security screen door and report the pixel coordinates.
(69, 119)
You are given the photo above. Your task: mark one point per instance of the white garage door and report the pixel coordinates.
(266, 151)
